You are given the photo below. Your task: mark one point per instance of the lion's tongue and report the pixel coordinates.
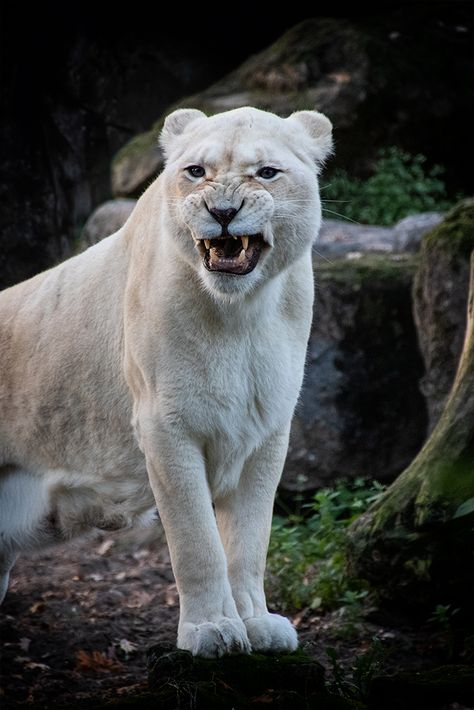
(219, 258)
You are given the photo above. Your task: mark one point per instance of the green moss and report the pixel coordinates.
(285, 681)
(455, 235)
(293, 671)
(137, 146)
(370, 267)
(290, 62)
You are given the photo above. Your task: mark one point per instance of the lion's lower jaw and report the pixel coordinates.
(230, 287)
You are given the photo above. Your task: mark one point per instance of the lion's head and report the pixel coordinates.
(242, 191)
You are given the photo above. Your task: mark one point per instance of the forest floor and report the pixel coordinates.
(78, 619)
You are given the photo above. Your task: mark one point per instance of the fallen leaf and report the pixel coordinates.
(40, 666)
(127, 646)
(171, 595)
(95, 577)
(25, 644)
(298, 618)
(96, 661)
(37, 606)
(140, 599)
(262, 699)
(128, 689)
(105, 546)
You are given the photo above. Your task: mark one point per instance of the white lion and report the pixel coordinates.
(164, 364)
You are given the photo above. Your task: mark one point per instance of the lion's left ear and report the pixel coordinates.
(319, 128)
(175, 124)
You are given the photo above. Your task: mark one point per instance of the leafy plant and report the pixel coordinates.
(443, 616)
(307, 552)
(355, 684)
(400, 185)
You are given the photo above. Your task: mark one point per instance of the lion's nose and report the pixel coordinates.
(224, 217)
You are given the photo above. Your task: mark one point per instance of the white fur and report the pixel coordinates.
(131, 370)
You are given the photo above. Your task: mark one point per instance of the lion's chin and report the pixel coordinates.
(236, 255)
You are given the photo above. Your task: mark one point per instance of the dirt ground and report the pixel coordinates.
(78, 619)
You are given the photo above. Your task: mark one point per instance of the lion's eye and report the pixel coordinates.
(196, 171)
(267, 173)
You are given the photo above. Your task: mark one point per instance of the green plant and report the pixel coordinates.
(307, 552)
(354, 684)
(401, 184)
(443, 615)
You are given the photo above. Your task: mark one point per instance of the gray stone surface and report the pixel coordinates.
(410, 230)
(440, 302)
(136, 167)
(361, 412)
(338, 237)
(105, 220)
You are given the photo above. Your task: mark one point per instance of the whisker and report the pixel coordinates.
(322, 256)
(343, 216)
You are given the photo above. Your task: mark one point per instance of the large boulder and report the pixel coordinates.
(381, 81)
(105, 220)
(338, 237)
(361, 412)
(440, 302)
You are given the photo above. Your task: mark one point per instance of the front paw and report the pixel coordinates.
(214, 639)
(271, 632)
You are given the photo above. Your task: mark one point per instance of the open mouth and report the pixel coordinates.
(231, 255)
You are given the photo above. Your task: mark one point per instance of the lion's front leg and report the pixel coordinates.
(244, 517)
(209, 624)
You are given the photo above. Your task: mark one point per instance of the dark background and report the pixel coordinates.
(79, 79)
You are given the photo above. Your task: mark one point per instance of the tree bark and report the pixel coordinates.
(416, 543)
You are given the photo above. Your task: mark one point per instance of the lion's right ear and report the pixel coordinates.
(175, 124)
(319, 128)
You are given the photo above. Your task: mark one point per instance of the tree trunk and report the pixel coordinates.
(416, 543)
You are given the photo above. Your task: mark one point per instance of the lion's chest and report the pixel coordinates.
(237, 393)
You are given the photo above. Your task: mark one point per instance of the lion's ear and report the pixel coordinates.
(319, 128)
(176, 122)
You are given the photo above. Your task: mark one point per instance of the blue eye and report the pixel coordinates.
(196, 171)
(267, 173)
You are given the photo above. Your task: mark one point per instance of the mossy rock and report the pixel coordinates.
(367, 268)
(294, 73)
(455, 235)
(440, 301)
(360, 411)
(415, 543)
(369, 76)
(244, 681)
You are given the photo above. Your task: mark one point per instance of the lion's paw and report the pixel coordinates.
(271, 632)
(213, 640)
